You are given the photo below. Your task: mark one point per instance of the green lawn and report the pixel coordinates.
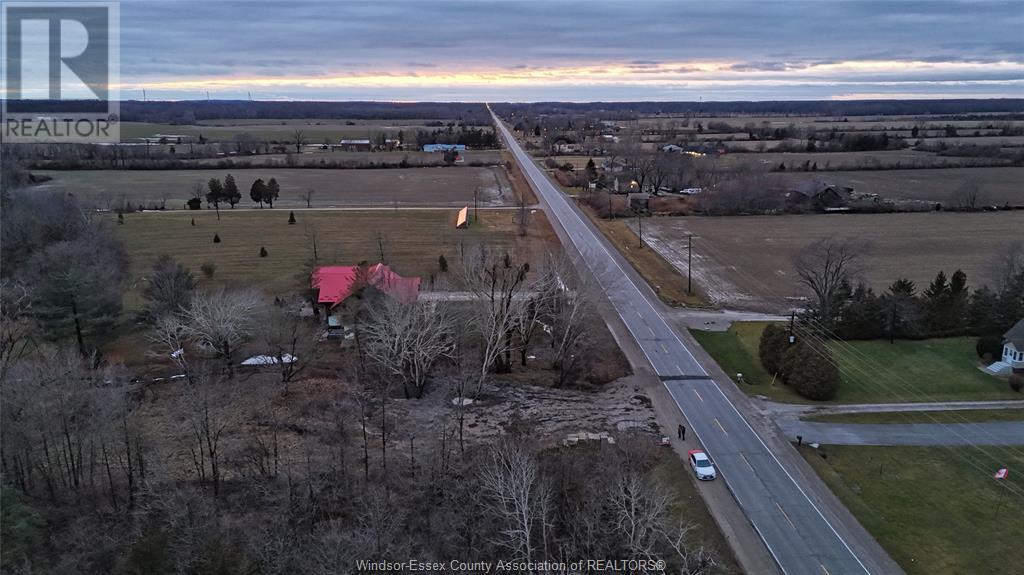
(873, 371)
(949, 416)
(935, 510)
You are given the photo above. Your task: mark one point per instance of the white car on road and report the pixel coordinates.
(701, 464)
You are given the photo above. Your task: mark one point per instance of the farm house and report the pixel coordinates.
(337, 286)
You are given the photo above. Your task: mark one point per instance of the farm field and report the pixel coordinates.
(277, 130)
(412, 241)
(872, 371)
(315, 158)
(998, 186)
(746, 261)
(837, 160)
(828, 122)
(453, 186)
(935, 510)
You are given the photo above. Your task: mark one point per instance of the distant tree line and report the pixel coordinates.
(961, 108)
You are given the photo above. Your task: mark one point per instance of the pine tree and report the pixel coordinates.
(258, 191)
(442, 263)
(291, 218)
(216, 238)
(193, 222)
(263, 252)
(215, 195)
(231, 193)
(273, 190)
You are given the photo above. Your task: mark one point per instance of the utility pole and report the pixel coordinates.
(689, 264)
(792, 321)
(476, 208)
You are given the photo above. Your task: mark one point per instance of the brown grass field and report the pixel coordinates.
(412, 240)
(838, 160)
(314, 157)
(997, 185)
(452, 186)
(746, 262)
(278, 130)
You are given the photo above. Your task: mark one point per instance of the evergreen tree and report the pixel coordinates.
(77, 289)
(215, 194)
(263, 252)
(216, 238)
(291, 218)
(231, 193)
(902, 308)
(442, 263)
(983, 313)
(258, 191)
(936, 303)
(863, 315)
(773, 346)
(813, 374)
(272, 192)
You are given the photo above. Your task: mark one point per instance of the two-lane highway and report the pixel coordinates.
(797, 534)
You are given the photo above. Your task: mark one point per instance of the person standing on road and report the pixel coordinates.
(681, 432)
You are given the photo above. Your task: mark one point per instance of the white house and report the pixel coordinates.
(1013, 346)
(1012, 359)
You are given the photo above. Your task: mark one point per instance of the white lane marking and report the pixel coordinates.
(800, 489)
(698, 395)
(531, 167)
(747, 461)
(786, 515)
(720, 426)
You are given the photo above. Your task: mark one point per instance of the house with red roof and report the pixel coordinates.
(336, 285)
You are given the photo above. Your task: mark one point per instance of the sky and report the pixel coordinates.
(574, 51)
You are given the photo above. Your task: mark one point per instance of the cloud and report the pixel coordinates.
(660, 46)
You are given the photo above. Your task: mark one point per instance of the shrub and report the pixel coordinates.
(1016, 382)
(442, 263)
(811, 373)
(208, 269)
(989, 347)
(263, 252)
(774, 342)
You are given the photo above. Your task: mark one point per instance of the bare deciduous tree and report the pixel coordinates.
(967, 196)
(15, 324)
(289, 338)
(514, 493)
(825, 267)
(219, 321)
(209, 407)
(638, 510)
(406, 339)
(308, 196)
(299, 139)
(497, 286)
